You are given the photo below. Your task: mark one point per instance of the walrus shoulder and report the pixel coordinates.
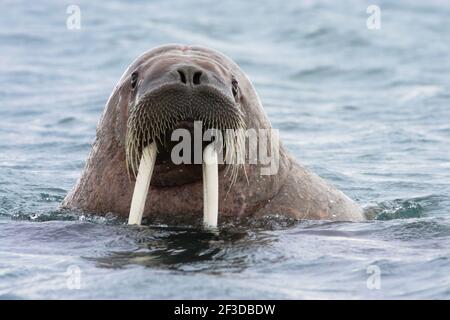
(305, 195)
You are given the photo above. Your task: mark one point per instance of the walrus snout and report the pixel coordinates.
(182, 96)
(169, 97)
(192, 75)
(172, 94)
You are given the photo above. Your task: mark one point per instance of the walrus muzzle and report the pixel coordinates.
(156, 113)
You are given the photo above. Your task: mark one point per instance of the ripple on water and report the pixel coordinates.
(402, 208)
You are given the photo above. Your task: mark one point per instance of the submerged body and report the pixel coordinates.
(167, 88)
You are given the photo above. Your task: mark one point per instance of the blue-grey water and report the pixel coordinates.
(369, 110)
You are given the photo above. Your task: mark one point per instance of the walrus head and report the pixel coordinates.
(167, 88)
(174, 92)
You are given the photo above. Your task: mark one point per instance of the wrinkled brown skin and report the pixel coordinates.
(105, 187)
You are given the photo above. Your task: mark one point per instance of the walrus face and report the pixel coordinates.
(172, 92)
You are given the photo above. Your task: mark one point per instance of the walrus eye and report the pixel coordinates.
(134, 79)
(234, 87)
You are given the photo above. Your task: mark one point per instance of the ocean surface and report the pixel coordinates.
(367, 109)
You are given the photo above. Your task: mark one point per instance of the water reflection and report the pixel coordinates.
(190, 250)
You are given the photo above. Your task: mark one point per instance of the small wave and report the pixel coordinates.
(66, 120)
(418, 230)
(419, 92)
(401, 208)
(65, 215)
(316, 72)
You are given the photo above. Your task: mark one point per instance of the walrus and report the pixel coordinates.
(170, 87)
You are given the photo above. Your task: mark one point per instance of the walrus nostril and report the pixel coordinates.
(182, 76)
(196, 78)
(190, 75)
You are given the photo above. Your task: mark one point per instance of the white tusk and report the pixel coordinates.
(210, 187)
(142, 184)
